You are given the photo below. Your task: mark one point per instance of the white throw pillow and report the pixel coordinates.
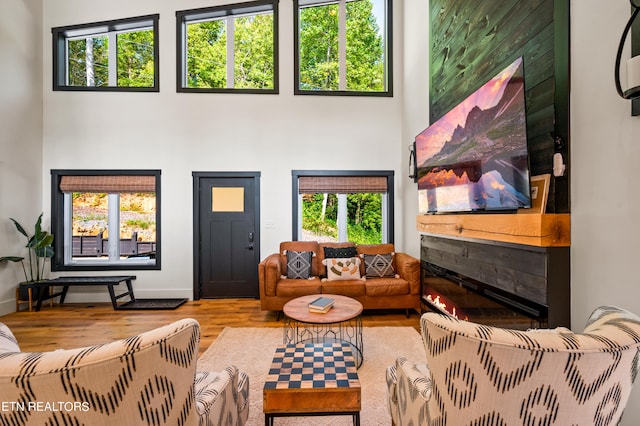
(342, 268)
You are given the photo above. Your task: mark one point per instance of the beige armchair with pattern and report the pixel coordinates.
(481, 375)
(149, 379)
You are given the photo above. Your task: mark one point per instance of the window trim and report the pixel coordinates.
(60, 34)
(388, 56)
(295, 207)
(206, 13)
(58, 221)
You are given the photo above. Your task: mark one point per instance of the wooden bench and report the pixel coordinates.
(44, 292)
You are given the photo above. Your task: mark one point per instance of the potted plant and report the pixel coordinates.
(40, 247)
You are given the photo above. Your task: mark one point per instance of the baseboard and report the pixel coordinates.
(7, 307)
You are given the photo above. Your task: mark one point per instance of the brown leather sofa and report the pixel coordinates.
(400, 291)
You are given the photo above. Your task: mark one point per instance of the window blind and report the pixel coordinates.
(341, 184)
(108, 184)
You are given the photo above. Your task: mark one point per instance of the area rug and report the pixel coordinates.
(252, 349)
(152, 304)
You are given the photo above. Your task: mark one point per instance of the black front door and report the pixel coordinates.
(226, 234)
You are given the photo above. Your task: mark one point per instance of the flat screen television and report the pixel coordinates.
(475, 157)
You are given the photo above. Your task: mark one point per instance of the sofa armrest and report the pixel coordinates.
(409, 387)
(269, 272)
(219, 400)
(408, 267)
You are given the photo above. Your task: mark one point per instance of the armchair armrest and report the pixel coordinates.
(409, 387)
(417, 375)
(8, 342)
(221, 396)
(269, 272)
(408, 267)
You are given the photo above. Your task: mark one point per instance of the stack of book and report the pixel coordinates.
(321, 305)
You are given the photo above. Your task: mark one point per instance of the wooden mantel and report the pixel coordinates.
(542, 230)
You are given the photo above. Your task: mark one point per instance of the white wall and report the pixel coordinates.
(415, 116)
(20, 134)
(605, 150)
(182, 132)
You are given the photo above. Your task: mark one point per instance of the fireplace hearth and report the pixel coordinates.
(501, 284)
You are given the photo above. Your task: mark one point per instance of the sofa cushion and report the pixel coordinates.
(299, 264)
(300, 246)
(342, 268)
(298, 287)
(379, 265)
(375, 248)
(350, 288)
(379, 287)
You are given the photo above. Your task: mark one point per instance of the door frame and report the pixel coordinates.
(197, 178)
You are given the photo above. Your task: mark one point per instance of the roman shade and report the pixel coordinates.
(107, 184)
(341, 184)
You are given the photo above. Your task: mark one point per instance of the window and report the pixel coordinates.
(343, 206)
(229, 48)
(105, 219)
(343, 47)
(111, 55)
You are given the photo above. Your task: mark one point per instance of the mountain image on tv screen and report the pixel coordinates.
(475, 156)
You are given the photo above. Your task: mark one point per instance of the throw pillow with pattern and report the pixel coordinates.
(339, 269)
(340, 252)
(299, 264)
(379, 265)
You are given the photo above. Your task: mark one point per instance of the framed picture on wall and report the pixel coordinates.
(539, 193)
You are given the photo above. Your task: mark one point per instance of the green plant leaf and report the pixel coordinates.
(19, 227)
(40, 247)
(38, 228)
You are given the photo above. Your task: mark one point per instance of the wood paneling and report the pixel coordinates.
(472, 41)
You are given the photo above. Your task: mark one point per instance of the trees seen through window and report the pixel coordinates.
(343, 46)
(223, 48)
(112, 55)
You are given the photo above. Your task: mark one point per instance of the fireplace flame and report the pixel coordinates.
(443, 306)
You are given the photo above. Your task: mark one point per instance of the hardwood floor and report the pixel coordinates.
(76, 325)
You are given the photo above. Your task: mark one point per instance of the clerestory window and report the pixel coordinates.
(343, 47)
(228, 48)
(105, 219)
(117, 55)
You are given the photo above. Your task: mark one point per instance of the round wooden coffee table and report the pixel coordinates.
(343, 323)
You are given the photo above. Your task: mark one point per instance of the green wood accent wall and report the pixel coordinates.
(471, 41)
